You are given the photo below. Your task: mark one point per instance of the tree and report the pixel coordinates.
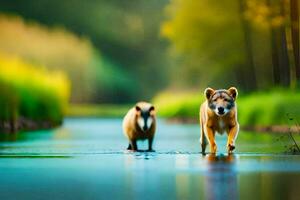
(209, 36)
(294, 14)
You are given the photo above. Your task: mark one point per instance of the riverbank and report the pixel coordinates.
(97, 110)
(275, 111)
(23, 124)
(271, 128)
(31, 97)
(118, 111)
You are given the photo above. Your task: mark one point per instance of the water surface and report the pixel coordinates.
(86, 159)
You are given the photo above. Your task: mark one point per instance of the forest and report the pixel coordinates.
(115, 53)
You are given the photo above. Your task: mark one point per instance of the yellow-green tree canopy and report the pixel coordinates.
(251, 43)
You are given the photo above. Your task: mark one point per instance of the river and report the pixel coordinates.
(86, 159)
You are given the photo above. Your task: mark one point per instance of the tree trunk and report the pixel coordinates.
(280, 58)
(281, 67)
(294, 14)
(248, 71)
(284, 63)
(276, 69)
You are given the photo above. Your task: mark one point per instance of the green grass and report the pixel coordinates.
(255, 109)
(178, 105)
(97, 110)
(269, 108)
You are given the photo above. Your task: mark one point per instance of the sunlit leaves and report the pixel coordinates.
(264, 14)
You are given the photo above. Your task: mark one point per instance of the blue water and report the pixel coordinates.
(86, 159)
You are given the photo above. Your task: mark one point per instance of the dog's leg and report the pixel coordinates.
(129, 147)
(232, 134)
(150, 141)
(133, 145)
(211, 139)
(202, 139)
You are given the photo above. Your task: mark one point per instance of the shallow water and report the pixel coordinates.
(85, 159)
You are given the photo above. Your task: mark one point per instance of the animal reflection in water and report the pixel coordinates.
(211, 176)
(221, 178)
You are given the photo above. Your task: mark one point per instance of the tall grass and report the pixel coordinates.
(31, 92)
(256, 109)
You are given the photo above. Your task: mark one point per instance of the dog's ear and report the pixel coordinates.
(152, 110)
(233, 92)
(208, 92)
(137, 108)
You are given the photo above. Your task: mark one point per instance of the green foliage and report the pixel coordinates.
(30, 92)
(112, 51)
(174, 104)
(269, 108)
(247, 43)
(208, 36)
(261, 108)
(93, 76)
(111, 83)
(51, 48)
(121, 31)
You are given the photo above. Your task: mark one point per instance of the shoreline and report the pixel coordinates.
(24, 124)
(257, 128)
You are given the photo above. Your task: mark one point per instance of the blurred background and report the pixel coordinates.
(97, 58)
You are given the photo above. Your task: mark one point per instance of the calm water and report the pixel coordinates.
(85, 159)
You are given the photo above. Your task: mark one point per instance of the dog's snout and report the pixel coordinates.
(221, 110)
(145, 128)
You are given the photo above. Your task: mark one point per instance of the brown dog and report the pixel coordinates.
(140, 124)
(219, 114)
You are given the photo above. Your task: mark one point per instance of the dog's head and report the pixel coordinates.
(145, 115)
(221, 101)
